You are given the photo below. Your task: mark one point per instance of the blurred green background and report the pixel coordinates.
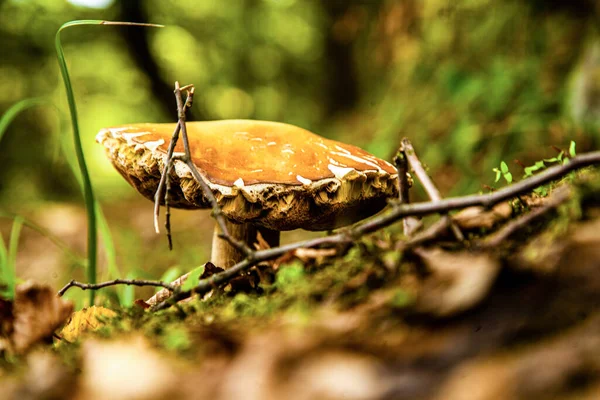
(470, 82)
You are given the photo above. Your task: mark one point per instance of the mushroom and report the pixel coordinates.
(267, 177)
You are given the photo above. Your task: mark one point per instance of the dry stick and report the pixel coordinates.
(170, 150)
(167, 205)
(170, 164)
(216, 210)
(557, 197)
(426, 235)
(401, 164)
(163, 177)
(432, 191)
(397, 212)
(135, 282)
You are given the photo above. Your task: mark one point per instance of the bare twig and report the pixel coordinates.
(397, 212)
(558, 197)
(402, 168)
(187, 159)
(409, 224)
(428, 185)
(96, 286)
(169, 167)
(163, 178)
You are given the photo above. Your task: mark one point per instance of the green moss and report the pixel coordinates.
(176, 338)
(402, 299)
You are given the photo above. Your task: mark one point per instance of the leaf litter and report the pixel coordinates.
(518, 320)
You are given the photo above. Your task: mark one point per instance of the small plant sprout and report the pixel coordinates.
(504, 172)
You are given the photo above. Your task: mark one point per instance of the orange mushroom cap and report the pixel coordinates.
(272, 174)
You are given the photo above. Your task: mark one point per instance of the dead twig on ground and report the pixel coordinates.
(187, 159)
(555, 199)
(428, 185)
(96, 286)
(409, 224)
(397, 212)
(344, 237)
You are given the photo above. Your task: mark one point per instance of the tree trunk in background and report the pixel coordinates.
(341, 76)
(136, 39)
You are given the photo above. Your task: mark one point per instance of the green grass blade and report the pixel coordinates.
(107, 240)
(58, 242)
(16, 109)
(3, 269)
(90, 201)
(10, 273)
(109, 244)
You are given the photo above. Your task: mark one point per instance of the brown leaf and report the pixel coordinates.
(141, 303)
(126, 369)
(457, 282)
(477, 217)
(38, 312)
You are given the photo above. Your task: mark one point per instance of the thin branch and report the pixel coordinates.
(409, 224)
(163, 178)
(96, 286)
(558, 197)
(169, 167)
(428, 185)
(187, 158)
(398, 211)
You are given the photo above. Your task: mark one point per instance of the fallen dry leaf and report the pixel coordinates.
(478, 218)
(87, 320)
(336, 375)
(126, 369)
(37, 312)
(457, 282)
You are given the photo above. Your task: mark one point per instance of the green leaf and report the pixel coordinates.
(555, 159)
(498, 174)
(572, 152)
(170, 275)
(541, 191)
(508, 177)
(192, 279)
(503, 167)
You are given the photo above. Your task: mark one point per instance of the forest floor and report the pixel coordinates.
(511, 313)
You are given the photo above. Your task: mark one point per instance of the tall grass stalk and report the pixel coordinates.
(90, 200)
(8, 260)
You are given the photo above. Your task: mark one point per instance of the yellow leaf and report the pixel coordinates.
(87, 320)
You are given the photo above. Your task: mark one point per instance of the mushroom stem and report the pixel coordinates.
(224, 255)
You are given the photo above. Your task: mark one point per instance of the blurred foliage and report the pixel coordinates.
(470, 82)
